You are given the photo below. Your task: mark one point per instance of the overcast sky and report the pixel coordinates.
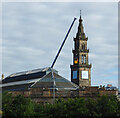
(33, 32)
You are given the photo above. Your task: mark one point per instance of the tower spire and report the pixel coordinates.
(80, 32)
(80, 20)
(80, 14)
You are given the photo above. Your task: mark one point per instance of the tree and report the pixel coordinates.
(93, 108)
(39, 111)
(20, 107)
(108, 106)
(7, 100)
(17, 107)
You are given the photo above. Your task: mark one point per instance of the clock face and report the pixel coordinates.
(74, 74)
(84, 74)
(76, 61)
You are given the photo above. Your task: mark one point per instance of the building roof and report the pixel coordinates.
(38, 78)
(28, 75)
(48, 82)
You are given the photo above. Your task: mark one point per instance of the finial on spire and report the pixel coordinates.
(80, 20)
(80, 12)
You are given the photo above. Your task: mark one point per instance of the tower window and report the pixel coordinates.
(83, 59)
(83, 46)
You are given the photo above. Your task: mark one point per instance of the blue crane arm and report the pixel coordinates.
(63, 43)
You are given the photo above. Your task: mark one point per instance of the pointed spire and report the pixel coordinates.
(80, 20)
(80, 32)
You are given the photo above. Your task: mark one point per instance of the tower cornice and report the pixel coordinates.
(80, 50)
(81, 65)
(76, 39)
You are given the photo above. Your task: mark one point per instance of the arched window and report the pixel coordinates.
(82, 58)
(83, 46)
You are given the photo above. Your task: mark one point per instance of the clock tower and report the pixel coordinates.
(81, 69)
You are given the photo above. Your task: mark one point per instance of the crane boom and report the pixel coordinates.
(63, 43)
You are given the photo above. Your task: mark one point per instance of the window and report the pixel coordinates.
(83, 58)
(83, 46)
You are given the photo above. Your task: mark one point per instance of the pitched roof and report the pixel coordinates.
(39, 78)
(48, 82)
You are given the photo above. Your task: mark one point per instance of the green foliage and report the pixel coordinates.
(7, 100)
(108, 106)
(93, 108)
(17, 107)
(76, 107)
(22, 107)
(100, 107)
(39, 111)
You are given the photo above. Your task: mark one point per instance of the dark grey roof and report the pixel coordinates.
(27, 75)
(46, 69)
(21, 87)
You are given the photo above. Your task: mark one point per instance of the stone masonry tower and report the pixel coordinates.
(81, 69)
